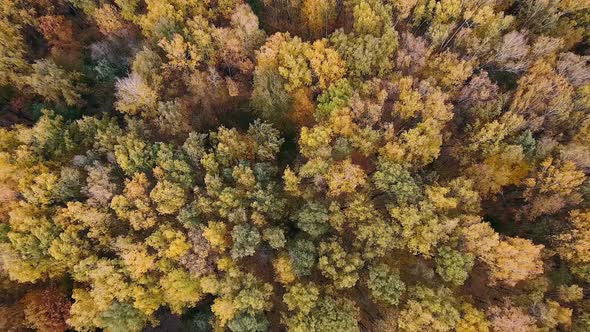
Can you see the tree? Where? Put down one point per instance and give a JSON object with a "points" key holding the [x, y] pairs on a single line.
{"points": [[413, 52], [326, 65], [450, 71], [135, 96], [134, 155], [313, 219], [478, 91], [410, 101], [501, 255], [428, 308], [173, 118], [25, 255], [168, 242], [571, 293], [133, 206], [385, 284], [168, 196], [275, 237], [338, 265], [516, 259], [335, 97], [453, 266], [556, 104], [472, 320], [109, 20], [416, 147], [216, 234], [485, 33], [304, 256], [47, 309], [320, 16], [554, 186], [574, 242], [136, 257], [248, 323], [394, 179], [366, 20], [511, 318], [100, 185], [366, 55], [59, 32], [301, 298], [574, 68], [503, 168], [512, 53], [12, 53], [283, 268], [180, 290], [121, 317], [287, 55], [245, 240], [296, 65], [56, 84], [269, 97], [421, 229], [329, 315], [336, 316], [582, 323]]}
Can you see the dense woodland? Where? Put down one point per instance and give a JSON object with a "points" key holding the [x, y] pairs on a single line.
{"points": [[295, 165]]}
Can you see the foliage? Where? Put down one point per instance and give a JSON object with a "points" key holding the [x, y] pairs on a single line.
{"points": [[453, 266], [419, 165], [385, 284], [47, 310]]}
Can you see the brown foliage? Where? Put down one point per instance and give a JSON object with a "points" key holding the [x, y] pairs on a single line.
{"points": [[47, 310]]}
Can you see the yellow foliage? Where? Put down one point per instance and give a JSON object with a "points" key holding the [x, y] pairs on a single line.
{"points": [[291, 182], [325, 63], [345, 177], [341, 123], [224, 310], [472, 320], [575, 243], [410, 100], [217, 235], [283, 267], [313, 141]]}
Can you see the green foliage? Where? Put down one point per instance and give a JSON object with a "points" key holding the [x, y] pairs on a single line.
{"points": [[338, 265], [329, 315], [453, 266], [313, 219], [248, 323], [304, 256], [134, 155], [121, 317], [245, 241], [55, 84], [335, 97], [582, 323], [394, 179], [385, 284], [301, 298], [269, 97], [275, 237]]}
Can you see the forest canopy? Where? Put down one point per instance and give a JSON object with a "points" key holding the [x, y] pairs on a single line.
{"points": [[295, 165]]}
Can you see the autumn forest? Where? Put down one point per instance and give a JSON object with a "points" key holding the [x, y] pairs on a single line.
{"points": [[295, 165]]}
